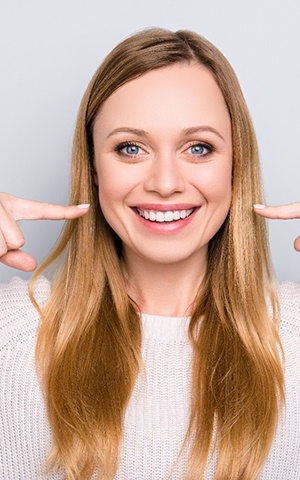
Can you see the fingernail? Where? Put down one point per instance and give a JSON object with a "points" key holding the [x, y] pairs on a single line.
{"points": [[83, 205], [259, 206]]}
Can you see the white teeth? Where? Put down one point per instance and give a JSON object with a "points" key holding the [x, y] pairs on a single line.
{"points": [[182, 214], [160, 217], [168, 216]]}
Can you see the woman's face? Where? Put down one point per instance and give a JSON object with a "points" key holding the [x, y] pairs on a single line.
{"points": [[163, 163]]}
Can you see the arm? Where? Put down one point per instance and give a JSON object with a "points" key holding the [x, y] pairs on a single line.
{"points": [[281, 212], [13, 209]]}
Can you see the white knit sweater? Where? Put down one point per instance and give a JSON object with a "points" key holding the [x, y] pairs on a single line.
{"points": [[157, 416]]}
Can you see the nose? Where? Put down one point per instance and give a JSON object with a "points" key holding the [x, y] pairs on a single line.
{"points": [[165, 176]]}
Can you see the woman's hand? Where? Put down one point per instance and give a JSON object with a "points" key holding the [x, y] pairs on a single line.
{"points": [[282, 212], [13, 209]]}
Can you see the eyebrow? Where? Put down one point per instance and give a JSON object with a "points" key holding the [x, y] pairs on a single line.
{"points": [[185, 132], [206, 128], [134, 131]]}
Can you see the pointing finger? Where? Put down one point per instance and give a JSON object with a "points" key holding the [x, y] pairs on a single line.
{"points": [[281, 212], [47, 211], [21, 209]]}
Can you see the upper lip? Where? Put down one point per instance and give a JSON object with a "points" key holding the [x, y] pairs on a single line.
{"points": [[163, 207]]}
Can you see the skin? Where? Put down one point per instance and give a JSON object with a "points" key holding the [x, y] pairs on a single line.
{"points": [[281, 212], [13, 209], [146, 143], [164, 173]]}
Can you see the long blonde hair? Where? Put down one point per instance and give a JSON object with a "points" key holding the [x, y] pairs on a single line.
{"points": [[88, 347]]}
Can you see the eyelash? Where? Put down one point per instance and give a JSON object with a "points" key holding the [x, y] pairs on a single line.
{"points": [[123, 145], [210, 149]]}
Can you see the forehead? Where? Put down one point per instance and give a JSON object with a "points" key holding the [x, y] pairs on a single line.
{"points": [[180, 95]]}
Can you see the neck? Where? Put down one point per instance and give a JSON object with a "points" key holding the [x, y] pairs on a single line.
{"points": [[163, 289]]}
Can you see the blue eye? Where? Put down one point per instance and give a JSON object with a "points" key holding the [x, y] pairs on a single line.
{"points": [[129, 149], [200, 149]]}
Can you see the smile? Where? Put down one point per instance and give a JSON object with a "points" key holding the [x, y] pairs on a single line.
{"points": [[168, 216]]}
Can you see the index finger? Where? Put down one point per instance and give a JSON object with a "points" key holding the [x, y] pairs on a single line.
{"points": [[21, 209], [281, 212]]}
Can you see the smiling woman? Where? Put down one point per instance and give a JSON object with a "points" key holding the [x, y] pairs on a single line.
{"points": [[157, 173], [160, 346]]}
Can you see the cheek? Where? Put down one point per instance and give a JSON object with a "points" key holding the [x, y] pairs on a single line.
{"points": [[223, 187], [110, 184], [116, 180], [217, 193], [115, 185], [109, 204], [217, 185]]}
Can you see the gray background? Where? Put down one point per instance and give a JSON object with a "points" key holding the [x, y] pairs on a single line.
{"points": [[49, 51]]}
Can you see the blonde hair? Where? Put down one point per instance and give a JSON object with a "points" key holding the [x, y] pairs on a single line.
{"points": [[88, 348]]}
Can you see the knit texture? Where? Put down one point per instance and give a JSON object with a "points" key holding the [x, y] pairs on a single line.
{"points": [[157, 417]]}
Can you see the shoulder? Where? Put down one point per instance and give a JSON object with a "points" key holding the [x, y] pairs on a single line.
{"points": [[17, 291], [289, 299], [24, 430], [18, 317]]}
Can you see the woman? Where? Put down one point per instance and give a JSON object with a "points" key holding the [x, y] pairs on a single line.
{"points": [[158, 350]]}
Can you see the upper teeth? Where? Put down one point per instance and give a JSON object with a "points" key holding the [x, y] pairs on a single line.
{"points": [[168, 216]]}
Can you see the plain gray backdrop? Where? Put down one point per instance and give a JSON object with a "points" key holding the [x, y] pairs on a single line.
{"points": [[49, 51]]}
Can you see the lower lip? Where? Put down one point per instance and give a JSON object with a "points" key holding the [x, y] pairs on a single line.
{"points": [[166, 227]]}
